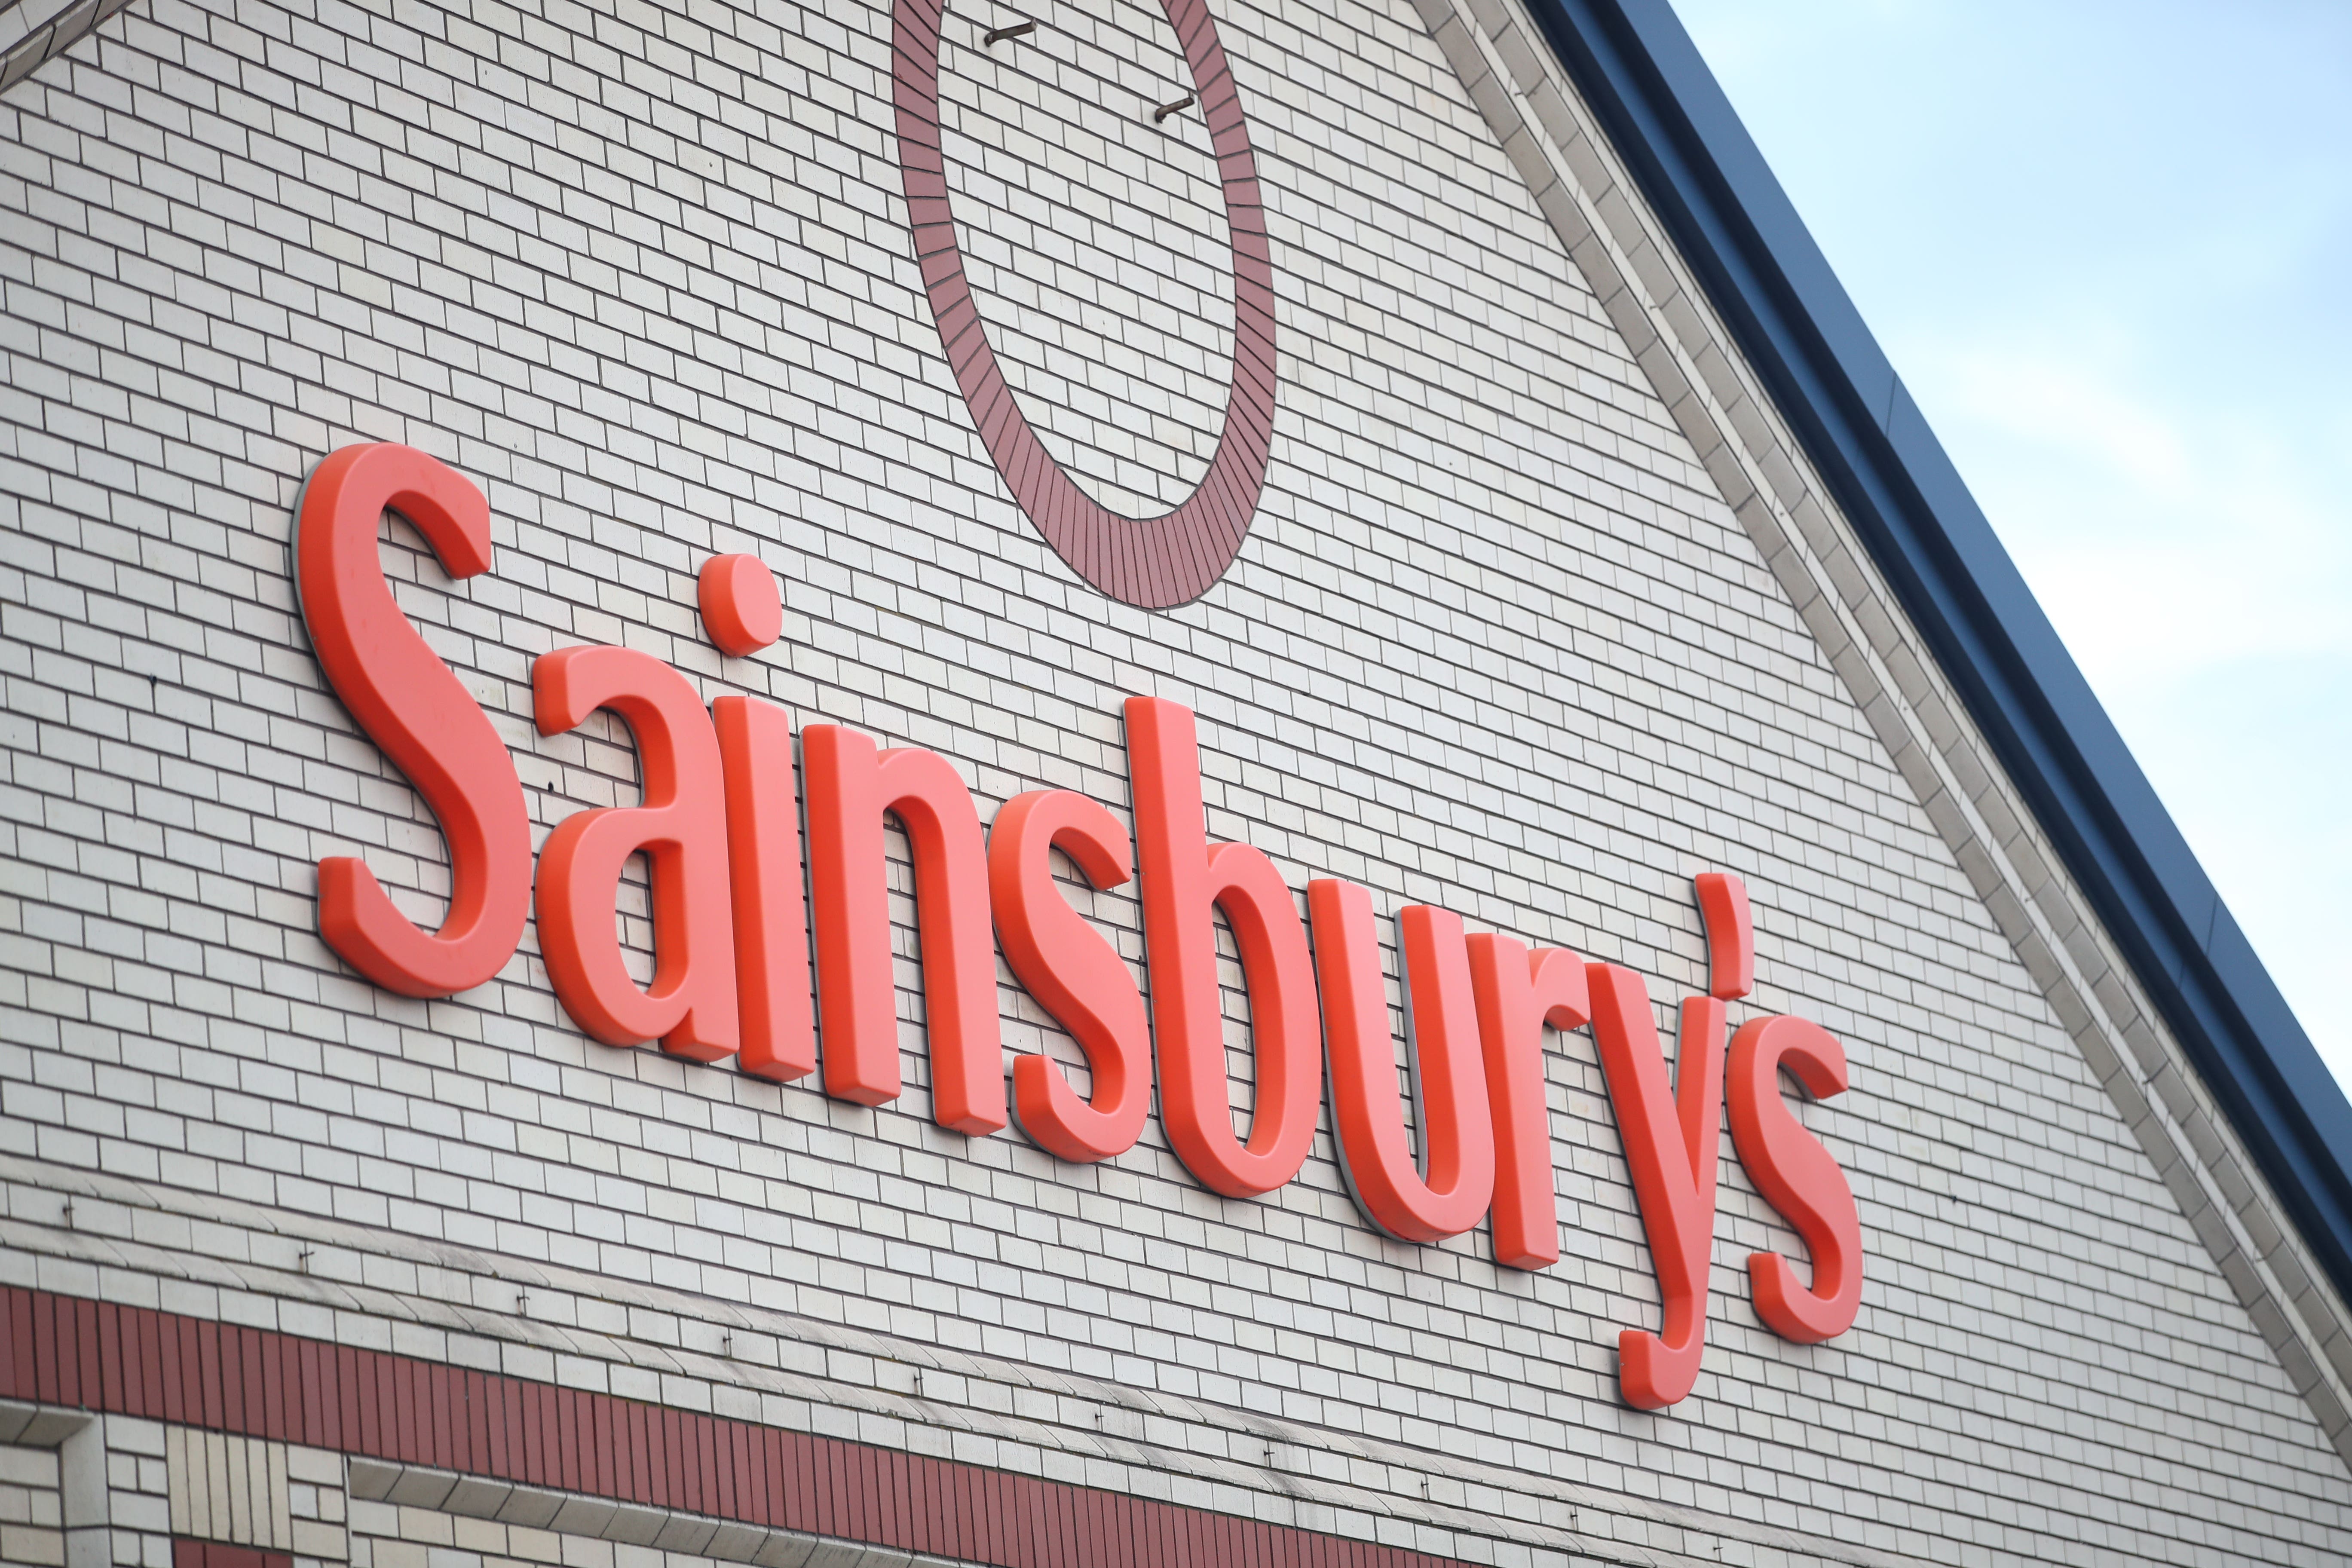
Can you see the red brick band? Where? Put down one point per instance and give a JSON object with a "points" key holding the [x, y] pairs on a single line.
{"points": [[187, 1553], [1158, 561], [257, 1382]]}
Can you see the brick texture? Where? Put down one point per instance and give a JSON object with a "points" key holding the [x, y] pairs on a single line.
{"points": [[643, 272], [252, 1383]]}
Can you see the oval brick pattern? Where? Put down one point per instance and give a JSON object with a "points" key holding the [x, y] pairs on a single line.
{"points": [[1153, 562]]}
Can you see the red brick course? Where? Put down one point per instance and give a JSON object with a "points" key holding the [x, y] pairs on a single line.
{"points": [[186, 1554], [257, 1382]]}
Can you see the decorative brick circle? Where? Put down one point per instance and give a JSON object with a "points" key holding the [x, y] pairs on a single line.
{"points": [[1155, 562]]}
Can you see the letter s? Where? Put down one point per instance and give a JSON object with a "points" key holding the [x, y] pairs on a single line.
{"points": [[1797, 1176], [407, 701], [1073, 970]]}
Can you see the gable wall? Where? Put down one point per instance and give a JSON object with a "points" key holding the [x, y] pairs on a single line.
{"points": [[1497, 643]]}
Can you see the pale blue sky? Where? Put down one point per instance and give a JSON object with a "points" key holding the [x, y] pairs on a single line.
{"points": [[2108, 246]]}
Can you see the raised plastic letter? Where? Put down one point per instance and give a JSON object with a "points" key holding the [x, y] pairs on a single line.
{"points": [[741, 610], [408, 702], [1448, 1192], [1519, 993], [1670, 1147], [1073, 971], [681, 825], [1183, 879], [850, 786], [771, 907], [1797, 1176], [1730, 934]]}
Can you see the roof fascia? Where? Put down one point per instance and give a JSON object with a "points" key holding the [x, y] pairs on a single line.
{"points": [[1643, 77]]}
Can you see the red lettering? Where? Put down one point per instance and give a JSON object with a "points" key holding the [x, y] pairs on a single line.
{"points": [[1073, 972], [1183, 879], [1519, 993], [1670, 1148], [1457, 1135], [1798, 1177], [731, 938], [407, 701], [741, 610], [681, 824], [850, 786], [1730, 934], [770, 905]]}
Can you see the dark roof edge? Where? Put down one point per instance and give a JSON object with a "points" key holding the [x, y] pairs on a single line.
{"points": [[1639, 71]]}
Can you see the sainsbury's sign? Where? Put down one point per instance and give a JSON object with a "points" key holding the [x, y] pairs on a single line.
{"points": [[735, 903]]}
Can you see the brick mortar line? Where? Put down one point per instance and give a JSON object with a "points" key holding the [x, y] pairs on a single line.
{"points": [[544, 1508], [76, 21], [182, 1370], [1624, 373], [534, 1335], [526, 1507], [826, 1390]]}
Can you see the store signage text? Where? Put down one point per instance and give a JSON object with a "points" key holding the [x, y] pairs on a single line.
{"points": [[720, 822]]}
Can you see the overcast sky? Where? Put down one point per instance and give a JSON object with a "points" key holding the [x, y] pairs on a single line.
{"points": [[2108, 247]]}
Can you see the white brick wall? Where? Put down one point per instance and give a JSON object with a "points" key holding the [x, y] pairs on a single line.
{"points": [[32, 1522], [228, 1488], [1495, 643], [386, 1536]]}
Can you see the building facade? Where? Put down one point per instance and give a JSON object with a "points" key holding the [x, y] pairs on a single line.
{"points": [[1426, 412]]}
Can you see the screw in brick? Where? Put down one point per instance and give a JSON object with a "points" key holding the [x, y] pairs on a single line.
{"points": [[65, 1215], [302, 1258], [1177, 106], [727, 1343], [522, 1303], [996, 36]]}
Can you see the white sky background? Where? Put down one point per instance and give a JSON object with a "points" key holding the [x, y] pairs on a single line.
{"points": [[2107, 245]]}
